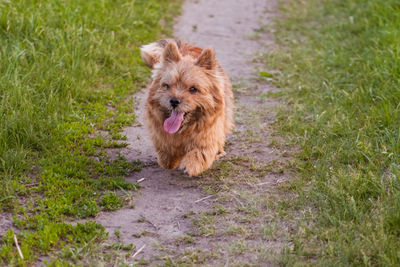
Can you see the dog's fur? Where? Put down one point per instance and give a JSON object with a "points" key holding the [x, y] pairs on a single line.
{"points": [[178, 67]]}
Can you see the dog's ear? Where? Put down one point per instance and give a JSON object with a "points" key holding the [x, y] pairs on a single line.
{"points": [[206, 59], [151, 53], [171, 53]]}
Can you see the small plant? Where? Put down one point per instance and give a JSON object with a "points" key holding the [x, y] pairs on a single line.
{"points": [[187, 215], [111, 201], [117, 234]]}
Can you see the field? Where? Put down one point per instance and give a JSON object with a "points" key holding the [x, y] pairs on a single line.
{"points": [[67, 69], [311, 177], [340, 63]]}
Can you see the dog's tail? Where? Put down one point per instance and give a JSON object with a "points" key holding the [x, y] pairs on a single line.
{"points": [[151, 53]]}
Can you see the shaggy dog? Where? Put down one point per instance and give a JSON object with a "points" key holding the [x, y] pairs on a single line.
{"points": [[189, 106]]}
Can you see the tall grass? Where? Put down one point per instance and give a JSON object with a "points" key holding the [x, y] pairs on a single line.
{"points": [[341, 77]]}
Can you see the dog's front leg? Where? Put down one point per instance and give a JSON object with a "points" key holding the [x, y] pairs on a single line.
{"points": [[168, 161], [197, 161]]}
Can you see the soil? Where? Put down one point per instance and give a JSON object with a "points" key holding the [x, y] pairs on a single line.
{"points": [[221, 217]]}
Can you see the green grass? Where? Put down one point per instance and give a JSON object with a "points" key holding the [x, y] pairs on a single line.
{"points": [[339, 68], [67, 69]]}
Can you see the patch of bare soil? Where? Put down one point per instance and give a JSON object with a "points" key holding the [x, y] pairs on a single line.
{"points": [[230, 215], [5, 222]]}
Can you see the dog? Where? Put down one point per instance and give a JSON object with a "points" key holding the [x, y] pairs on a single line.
{"points": [[189, 108]]}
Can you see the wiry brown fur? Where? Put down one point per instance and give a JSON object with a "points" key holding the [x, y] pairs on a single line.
{"points": [[208, 112]]}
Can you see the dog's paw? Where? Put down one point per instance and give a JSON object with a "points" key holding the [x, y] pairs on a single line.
{"points": [[183, 169], [167, 162], [192, 170], [195, 162]]}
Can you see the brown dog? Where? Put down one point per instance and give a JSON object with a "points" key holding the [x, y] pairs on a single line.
{"points": [[189, 107]]}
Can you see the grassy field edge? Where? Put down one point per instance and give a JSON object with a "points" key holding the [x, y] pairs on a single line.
{"points": [[339, 74]]}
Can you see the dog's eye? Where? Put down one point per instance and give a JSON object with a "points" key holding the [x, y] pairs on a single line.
{"points": [[165, 86], [193, 90]]}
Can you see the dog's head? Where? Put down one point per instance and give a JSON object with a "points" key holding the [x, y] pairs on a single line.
{"points": [[187, 90]]}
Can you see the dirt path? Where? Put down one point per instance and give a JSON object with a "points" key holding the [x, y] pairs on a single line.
{"points": [[229, 215]]}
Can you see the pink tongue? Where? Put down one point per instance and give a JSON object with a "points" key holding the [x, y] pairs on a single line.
{"points": [[172, 124]]}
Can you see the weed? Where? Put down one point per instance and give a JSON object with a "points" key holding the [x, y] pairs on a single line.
{"points": [[111, 201], [187, 215], [117, 234], [185, 239]]}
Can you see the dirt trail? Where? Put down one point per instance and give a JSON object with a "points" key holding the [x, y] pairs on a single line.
{"points": [[228, 216]]}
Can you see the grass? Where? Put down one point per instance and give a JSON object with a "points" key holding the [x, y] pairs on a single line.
{"points": [[339, 68], [67, 70]]}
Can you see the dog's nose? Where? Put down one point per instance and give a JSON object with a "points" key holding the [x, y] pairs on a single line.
{"points": [[174, 102]]}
